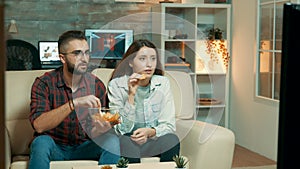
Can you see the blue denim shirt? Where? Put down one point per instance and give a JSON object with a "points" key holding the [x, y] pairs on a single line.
{"points": [[159, 108]]}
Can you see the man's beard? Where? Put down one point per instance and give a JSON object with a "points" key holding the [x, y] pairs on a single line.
{"points": [[71, 69]]}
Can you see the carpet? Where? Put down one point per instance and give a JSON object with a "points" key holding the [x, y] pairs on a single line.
{"points": [[258, 167]]}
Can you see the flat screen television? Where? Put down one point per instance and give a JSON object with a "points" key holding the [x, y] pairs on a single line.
{"points": [[108, 43], [48, 53], [289, 89]]}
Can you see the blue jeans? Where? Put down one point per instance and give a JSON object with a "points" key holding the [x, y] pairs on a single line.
{"points": [[43, 149]]}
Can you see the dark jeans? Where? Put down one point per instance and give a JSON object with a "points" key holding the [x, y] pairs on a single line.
{"points": [[164, 147], [44, 149]]}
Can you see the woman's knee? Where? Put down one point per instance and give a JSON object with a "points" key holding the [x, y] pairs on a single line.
{"points": [[170, 138], [124, 139]]}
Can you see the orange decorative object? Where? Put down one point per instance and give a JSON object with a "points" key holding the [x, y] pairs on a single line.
{"points": [[215, 44], [106, 167], [208, 101], [182, 50]]}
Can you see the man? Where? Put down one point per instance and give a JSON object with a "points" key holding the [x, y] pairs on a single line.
{"points": [[60, 100]]}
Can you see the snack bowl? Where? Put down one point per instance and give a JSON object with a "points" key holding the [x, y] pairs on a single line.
{"points": [[110, 115]]}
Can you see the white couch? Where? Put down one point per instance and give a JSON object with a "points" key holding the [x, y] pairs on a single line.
{"points": [[206, 146]]}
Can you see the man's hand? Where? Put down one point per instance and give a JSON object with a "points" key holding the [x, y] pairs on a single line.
{"points": [[87, 101], [100, 126]]}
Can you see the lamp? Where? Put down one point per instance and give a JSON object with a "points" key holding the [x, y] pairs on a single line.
{"points": [[12, 28]]}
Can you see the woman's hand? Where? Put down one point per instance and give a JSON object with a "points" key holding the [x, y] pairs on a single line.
{"points": [[141, 135], [133, 83]]}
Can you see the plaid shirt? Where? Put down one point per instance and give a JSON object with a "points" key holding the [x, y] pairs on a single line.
{"points": [[50, 91]]}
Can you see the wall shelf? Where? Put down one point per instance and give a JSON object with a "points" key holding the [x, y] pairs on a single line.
{"points": [[189, 22]]}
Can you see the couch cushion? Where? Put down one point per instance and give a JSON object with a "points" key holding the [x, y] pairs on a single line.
{"points": [[17, 93], [20, 135], [183, 92], [17, 108], [103, 74]]}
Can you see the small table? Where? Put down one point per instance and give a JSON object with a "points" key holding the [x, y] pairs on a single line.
{"points": [[159, 165]]}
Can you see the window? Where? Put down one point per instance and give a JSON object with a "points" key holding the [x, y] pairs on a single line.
{"points": [[268, 57]]}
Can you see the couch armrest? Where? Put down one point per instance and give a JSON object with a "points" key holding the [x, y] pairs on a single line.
{"points": [[7, 150], [208, 146]]}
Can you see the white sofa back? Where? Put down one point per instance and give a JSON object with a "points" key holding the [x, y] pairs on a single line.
{"points": [[17, 107], [184, 100]]}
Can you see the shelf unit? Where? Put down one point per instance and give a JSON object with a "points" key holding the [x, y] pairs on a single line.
{"points": [[180, 32]]}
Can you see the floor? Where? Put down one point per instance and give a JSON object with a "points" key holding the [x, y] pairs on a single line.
{"points": [[246, 158]]}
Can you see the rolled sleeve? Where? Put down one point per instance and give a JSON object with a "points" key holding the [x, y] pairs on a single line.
{"points": [[39, 102]]}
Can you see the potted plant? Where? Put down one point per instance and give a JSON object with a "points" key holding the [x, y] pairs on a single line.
{"points": [[216, 45], [122, 163], [180, 161]]}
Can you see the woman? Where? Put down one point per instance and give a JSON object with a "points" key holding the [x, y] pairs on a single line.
{"points": [[143, 97]]}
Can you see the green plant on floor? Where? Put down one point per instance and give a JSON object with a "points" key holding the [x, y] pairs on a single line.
{"points": [[180, 161], [122, 163]]}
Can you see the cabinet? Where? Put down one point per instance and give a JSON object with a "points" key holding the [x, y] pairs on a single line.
{"points": [[181, 33]]}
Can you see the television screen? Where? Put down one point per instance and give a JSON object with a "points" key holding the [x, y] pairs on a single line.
{"points": [[108, 44], [288, 121], [48, 50], [48, 53]]}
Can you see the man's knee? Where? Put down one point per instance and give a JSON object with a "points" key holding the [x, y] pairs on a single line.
{"points": [[43, 141]]}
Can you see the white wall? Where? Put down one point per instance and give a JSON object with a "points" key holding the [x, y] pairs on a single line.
{"points": [[254, 122]]}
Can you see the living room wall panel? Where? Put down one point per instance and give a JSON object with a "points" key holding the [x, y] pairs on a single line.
{"points": [[41, 10], [46, 20]]}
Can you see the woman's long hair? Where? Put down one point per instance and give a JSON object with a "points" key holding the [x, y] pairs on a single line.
{"points": [[123, 67]]}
